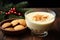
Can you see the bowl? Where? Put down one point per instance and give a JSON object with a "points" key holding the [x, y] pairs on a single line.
{"points": [[14, 32]]}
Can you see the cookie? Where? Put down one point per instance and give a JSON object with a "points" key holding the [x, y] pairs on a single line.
{"points": [[6, 25], [14, 22], [9, 29], [22, 22], [19, 27]]}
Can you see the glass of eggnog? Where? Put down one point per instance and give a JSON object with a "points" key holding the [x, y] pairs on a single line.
{"points": [[39, 21]]}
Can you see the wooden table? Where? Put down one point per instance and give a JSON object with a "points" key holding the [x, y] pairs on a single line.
{"points": [[54, 34]]}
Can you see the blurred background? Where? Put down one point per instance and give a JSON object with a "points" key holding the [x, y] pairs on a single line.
{"points": [[34, 3]]}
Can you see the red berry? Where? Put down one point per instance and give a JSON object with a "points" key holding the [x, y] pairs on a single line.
{"points": [[14, 12], [19, 14], [11, 11], [8, 12], [14, 9]]}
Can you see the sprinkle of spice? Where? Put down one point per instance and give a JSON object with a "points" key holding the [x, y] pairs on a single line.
{"points": [[40, 17]]}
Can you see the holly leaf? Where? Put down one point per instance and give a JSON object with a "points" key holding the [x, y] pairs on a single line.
{"points": [[2, 16], [8, 6], [23, 10], [22, 4], [14, 16], [21, 17]]}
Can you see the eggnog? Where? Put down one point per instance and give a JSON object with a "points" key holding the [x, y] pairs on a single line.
{"points": [[39, 21]]}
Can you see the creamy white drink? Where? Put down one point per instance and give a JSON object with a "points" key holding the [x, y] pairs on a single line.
{"points": [[39, 21]]}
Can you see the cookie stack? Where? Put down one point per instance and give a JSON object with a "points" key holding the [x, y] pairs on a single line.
{"points": [[17, 24]]}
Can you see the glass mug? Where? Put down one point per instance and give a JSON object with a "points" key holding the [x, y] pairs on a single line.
{"points": [[37, 28]]}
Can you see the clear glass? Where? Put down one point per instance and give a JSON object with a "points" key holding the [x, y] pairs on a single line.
{"points": [[43, 29]]}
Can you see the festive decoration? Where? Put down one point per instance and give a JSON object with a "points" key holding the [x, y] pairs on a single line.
{"points": [[13, 10], [4, 6], [13, 13]]}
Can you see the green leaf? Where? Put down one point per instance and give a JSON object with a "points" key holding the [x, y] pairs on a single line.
{"points": [[23, 10], [8, 6], [22, 4], [14, 16], [21, 17], [2, 16]]}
